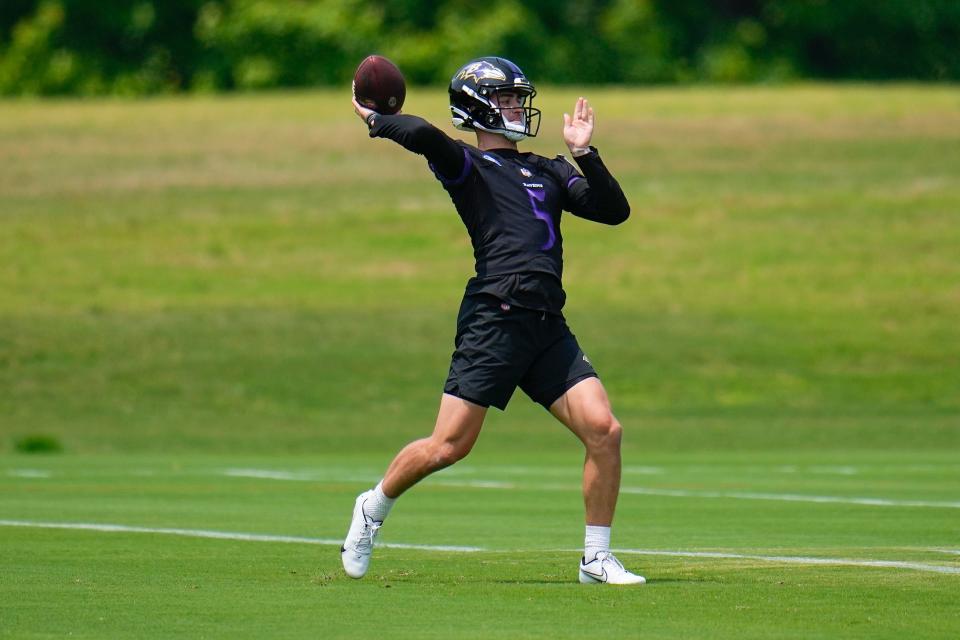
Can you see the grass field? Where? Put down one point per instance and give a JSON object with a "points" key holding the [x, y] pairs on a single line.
{"points": [[231, 311]]}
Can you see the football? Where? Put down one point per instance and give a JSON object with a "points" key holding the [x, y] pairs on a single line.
{"points": [[379, 85]]}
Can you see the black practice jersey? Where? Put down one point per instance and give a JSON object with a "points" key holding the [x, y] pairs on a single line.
{"points": [[510, 203]]}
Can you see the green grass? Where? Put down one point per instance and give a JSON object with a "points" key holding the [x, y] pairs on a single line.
{"points": [[97, 584], [190, 285]]}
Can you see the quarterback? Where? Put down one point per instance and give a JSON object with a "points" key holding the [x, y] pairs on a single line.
{"points": [[510, 328]]}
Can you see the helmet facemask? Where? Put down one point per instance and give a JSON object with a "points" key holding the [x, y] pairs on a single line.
{"points": [[514, 121]]}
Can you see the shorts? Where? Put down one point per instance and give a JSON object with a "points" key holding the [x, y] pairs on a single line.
{"points": [[500, 347]]}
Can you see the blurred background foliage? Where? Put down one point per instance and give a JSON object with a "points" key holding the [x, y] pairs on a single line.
{"points": [[136, 47]]}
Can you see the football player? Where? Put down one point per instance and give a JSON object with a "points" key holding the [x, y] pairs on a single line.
{"points": [[510, 328]]}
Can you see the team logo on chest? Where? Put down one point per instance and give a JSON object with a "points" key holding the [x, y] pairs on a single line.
{"points": [[526, 173]]}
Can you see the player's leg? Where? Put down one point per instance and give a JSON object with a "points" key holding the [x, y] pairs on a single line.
{"points": [[486, 367], [585, 409], [454, 434]]}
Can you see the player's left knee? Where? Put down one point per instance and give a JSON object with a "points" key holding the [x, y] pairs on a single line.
{"points": [[614, 432], [607, 431]]}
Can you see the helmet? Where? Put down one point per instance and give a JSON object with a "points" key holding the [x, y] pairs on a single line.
{"points": [[473, 102]]}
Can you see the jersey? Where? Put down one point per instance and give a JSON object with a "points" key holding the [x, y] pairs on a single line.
{"points": [[511, 205]]}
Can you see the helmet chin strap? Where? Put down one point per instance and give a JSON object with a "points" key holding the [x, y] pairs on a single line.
{"points": [[514, 131]]}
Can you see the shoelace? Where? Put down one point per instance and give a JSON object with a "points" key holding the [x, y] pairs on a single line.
{"points": [[365, 542], [604, 556]]}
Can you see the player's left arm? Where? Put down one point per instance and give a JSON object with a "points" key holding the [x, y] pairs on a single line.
{"points": [[593, 194]]}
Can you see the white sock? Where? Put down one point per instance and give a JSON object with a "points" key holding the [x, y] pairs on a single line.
{"points": [[596, 540], [378, 506]]}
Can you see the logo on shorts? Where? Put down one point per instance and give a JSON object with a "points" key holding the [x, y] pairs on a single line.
{"points": [[505, 306], [526, 172], [587, 360]]}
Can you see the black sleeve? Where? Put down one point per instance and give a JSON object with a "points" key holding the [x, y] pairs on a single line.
{"points": [[595, 195], [445, 156]]}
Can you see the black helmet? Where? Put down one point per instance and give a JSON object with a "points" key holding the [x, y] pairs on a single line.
{"points": [[473, 104]]}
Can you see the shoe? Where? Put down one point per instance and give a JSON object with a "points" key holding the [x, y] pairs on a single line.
{"points": [[606, 569], [356, 549]]}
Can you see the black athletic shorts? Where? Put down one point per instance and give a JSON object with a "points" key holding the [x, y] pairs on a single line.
{"points": [[500, 347]]}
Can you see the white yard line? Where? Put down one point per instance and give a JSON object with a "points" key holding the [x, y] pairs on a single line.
{"points": [[269, 474], [846, 562], [219, 535], [306, 476], [298, 476], [790, 497], [835, 470], [650, 491], [473, 484], [259, 537], [28, 473]]}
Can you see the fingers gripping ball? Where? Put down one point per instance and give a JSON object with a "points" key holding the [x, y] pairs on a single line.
{"points": [[379, 85]]}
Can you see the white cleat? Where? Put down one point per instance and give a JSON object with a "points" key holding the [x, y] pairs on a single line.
{"points": [[356, 549], [606, 569]]}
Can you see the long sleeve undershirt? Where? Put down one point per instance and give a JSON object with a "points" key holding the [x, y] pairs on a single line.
{"points": [[597, 197]]}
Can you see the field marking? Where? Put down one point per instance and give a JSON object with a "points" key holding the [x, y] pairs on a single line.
{"points": [[221, 535], [846, 562], [306, 476], [473, 484], [649, 491], [835, 470], [790, 497], [296, 476], [260, 537], [28, 473]]}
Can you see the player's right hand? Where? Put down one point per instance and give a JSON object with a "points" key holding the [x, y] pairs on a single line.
{"points": [[361, 110]]}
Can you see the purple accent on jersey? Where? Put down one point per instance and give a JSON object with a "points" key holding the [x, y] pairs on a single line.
{"points": [[467, 166], [537, 197], [572, 180]]}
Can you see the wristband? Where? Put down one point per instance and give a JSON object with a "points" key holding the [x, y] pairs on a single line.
{"points": [[576, 152]]}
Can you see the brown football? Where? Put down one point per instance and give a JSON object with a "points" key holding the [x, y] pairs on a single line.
{"points": [[379, 85]]}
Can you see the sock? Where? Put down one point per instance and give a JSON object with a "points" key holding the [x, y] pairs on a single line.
{"points": [[596, 540], [378, 506]]}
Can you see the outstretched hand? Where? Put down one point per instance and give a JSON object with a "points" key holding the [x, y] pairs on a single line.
{"points": [[361, 110], [578, 130]]}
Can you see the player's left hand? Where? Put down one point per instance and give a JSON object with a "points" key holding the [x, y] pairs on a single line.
{"points": [[578, 130]]}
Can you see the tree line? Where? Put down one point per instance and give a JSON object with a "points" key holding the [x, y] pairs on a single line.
{"points": [[137, 47]]}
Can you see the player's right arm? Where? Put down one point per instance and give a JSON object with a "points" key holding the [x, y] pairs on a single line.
{"points": [[445, 156]]}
